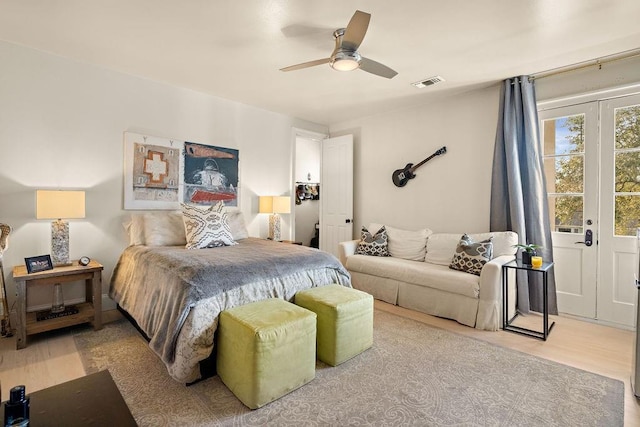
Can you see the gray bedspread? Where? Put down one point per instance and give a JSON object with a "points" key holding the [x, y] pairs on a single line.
{"points": [[159, 286]]}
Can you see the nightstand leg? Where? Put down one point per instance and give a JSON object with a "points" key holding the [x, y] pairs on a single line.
{"points": [[96, 294], [21, 307]]}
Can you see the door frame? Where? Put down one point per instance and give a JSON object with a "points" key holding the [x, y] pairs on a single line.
{"points": [[295, 134], [600, 95]]}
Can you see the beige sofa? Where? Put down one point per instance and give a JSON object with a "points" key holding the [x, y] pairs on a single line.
{"points": [[427, 284]]}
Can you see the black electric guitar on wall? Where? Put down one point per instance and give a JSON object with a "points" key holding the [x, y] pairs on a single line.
{"points": [[402, 176]]}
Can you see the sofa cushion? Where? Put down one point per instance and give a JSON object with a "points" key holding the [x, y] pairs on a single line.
{"points": [[406, 244], [471, 256], [373, 244], [442, 246], [417, 273]]}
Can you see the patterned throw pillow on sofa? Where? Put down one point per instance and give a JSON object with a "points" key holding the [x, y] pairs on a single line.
{"points": [[373, 244], [471, 256]]}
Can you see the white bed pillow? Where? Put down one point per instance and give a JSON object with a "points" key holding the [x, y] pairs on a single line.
{"points": [[206, 227], [235, 219], [406, 244], [164, 229], [135, 229]]}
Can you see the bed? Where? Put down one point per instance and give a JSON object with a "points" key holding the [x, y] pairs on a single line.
{"points": [[175, 295]]}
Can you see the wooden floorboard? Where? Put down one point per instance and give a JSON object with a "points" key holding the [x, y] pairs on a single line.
{"points": [[51, 358]]}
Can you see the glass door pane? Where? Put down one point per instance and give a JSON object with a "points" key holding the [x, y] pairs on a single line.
{"points": [[627, 170], [564, 171]]}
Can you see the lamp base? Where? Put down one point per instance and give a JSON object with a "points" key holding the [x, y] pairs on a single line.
{"points": [[60, 243], [274, 227], [58, 300]]}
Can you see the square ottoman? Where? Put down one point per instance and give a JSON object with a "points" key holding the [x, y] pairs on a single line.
{"points": [[266, 349], [345, 321]]}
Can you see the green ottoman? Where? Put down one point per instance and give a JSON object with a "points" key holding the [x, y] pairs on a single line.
{"points": [[345, 321], [266, 349]]}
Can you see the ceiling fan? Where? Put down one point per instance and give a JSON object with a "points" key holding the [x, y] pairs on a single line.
{"points": [[345, 56]]}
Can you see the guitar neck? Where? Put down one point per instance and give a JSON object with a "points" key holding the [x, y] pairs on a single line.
{"points": [[422, 163]]}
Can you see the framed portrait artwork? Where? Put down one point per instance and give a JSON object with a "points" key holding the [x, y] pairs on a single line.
{"points": [[210, 174]]}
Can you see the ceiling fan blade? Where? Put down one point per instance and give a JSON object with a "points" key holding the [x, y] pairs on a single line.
{"points": [[355, 31], [306, 64], [373, 67]]}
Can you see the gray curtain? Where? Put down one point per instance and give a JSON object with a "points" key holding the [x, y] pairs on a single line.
{"points": [[518, 190]]}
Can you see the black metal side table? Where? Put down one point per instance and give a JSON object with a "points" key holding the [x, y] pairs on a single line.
{"points": [[506, 322]]}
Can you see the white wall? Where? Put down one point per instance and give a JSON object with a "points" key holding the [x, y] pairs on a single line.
{"points": [[565, 85], [307, 160], [451, 192], [62, 124]]}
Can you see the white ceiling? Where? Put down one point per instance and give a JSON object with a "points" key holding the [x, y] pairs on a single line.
{"points": [[234, 48]]}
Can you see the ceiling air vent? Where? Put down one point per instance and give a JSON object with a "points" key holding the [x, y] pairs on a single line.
{"points": [[428, 82]]}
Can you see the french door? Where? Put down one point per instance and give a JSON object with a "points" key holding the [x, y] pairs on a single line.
{"points": [[592, 170], [569, 137]]}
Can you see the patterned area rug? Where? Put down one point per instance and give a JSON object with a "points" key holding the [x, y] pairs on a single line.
{"points": [[413, 375]]}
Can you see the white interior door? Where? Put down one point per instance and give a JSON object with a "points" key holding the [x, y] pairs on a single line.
{"points": [[336, 193], [570, 141], [620, 208]]}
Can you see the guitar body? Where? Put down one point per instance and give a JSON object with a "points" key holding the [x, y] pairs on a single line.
{"points": [[400, 177]]}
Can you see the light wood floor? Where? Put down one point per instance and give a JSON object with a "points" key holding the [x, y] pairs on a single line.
{"points": [[51, 358]]}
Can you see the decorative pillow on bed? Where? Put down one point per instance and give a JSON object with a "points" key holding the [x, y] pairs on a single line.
{"points": [[164, 229], [373, 244], [235, 219], [135, 229], [471, 256], [206, 227]]}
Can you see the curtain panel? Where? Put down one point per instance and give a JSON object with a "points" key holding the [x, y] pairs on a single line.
{"points": [[518, 190]]}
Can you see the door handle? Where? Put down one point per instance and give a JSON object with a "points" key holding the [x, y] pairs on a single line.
{"points": [[588, 238], [348, 221]]}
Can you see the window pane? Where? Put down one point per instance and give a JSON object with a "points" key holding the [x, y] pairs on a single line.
{"points": [[627, 215], [564, 135], [564, 174], [627, 172], [566, 213], [627, 127]]}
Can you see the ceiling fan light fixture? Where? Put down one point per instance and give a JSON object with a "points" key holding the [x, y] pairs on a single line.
{"points": [[345, 61]]}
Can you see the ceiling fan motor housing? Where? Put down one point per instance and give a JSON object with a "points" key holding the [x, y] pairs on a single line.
{"points": [[344, 59]]}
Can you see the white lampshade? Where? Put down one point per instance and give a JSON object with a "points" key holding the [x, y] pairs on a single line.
{"points": [[265, 204], [59, 204], [282, 204]]}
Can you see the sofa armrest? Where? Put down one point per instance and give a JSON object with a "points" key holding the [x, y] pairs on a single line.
{"points": [[491, 293], [346, 249], [491, 278]]}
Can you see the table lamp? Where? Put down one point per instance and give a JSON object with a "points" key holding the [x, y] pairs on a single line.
{"points": [[275, 205], [59, 205]]}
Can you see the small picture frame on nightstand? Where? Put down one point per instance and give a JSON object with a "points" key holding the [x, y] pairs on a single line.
{"points": [[38, 263]]}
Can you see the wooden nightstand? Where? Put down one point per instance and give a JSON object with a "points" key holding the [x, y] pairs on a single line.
{"points": [[89, 311], [291, 242]]}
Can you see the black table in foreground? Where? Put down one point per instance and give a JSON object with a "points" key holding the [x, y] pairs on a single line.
{"points": [[507, 324], [93, 400]]}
